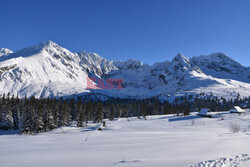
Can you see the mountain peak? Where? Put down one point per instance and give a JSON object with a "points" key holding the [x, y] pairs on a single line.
{"points": [[46, 44], [40, 46], [5, 50], [128, 64], [179, 55], [180, 58], [217, 57], [49, 42], [220, 55]]}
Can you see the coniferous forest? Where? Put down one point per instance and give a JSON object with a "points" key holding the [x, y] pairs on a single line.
{"points": [[32, 115]]}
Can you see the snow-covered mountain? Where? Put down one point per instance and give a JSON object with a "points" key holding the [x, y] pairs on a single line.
{"points": [[5, 51], [47, 69], [42, 70]]}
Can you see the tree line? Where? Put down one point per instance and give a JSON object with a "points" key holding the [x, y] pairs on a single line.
{"points": [[33, 115]]}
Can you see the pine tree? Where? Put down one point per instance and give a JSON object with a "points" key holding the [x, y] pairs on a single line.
{"points": [[14, 107], [7, 121], [72, 108], [80, 114], [88, 112], [125, 110], [138, 110], [61, 113], [65, 116], [55, 111], [48, 117], [111, 113], [117, 111], [144, 110], [27, 122], [38, 120], [99, 112]]}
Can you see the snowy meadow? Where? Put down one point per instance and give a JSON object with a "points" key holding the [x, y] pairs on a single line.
{"points": [[164, 140]]}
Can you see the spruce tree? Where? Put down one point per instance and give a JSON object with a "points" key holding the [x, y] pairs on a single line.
{"points": [[48, 117], [27, 120], [72, 108], [80, 115], [99, 112], [111, 113], [144, 110], [7, 121], [39, 124], [88, 112]]}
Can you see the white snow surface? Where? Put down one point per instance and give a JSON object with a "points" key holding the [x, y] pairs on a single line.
{"points": [[166, 141], [47, 69]]}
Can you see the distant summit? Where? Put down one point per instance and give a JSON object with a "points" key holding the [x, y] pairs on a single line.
{"points": [[5, 51]]}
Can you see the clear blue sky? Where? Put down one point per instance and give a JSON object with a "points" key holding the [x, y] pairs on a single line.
{"points": [[148, 30]]}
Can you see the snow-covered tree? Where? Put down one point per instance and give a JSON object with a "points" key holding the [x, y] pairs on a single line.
{"points": [[27, 120], [38, 118], [48, 118], [7, 121]]}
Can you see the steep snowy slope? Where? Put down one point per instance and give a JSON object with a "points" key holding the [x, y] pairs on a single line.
{"points": [[220, 66], [42, 70], [47, 69], [95, 64]]}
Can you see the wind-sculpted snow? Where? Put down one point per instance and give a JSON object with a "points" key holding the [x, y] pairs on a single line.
{"points": [[47, 69], [232, 161]]}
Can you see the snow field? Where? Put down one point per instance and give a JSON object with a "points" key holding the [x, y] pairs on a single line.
{"points": [[163, 140]]}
